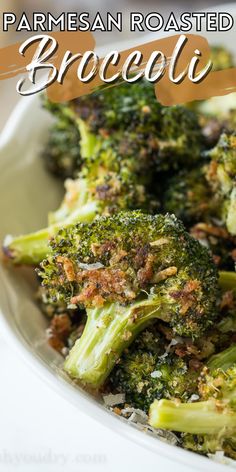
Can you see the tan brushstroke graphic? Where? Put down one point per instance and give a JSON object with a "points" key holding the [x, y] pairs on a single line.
{"points": [[179, 62]]}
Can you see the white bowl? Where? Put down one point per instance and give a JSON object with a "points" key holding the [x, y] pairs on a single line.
{"points": [[28, 192]]}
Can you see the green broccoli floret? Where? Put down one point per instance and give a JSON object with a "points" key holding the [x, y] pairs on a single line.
{"points": [[209, 424], [74, 130], [128, 270], [61, 153], [69, 141], [217, 390], [221, 177], [127, 108], [189, 196], [181, 140], [149, 370], [113, 180], [170, 136]]}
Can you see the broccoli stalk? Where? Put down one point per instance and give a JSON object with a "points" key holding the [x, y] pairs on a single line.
{"points": [[126, 271], [215, 413], [32, 248], [227, 280], [89, 142], [108, 332], [194, 418], [223, 360], [70, 141], [78, 205]]}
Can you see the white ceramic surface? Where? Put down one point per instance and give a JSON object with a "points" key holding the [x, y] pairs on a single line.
{"points": [[27, 194]]}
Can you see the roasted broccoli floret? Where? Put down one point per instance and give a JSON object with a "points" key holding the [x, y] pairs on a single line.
{"points": [[150, 369], [128, 270], [113, 180], [209, 424], [181, 140], [61, 153], [189, 196], [169, 136], [221, 176], [213, 414], [127, 108]]}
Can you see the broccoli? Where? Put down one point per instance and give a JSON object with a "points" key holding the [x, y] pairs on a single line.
{"points": [[159, 365], [32, 248], [128, 108], [113, 180], [221, 176], [217, 390], [223, 360], [150, 370], [169, 136], [209, 424], [61, 153], [127, 270], [181, 139], [189, 196], [227, 280]]}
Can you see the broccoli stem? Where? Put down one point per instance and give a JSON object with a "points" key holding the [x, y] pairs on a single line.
{"points": [[29, 249], [231, 216], [108, 331], [69, 205], [32, 248], [194, 418], [223, 360], [227, 324], [227, 280], [89, 142]]}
